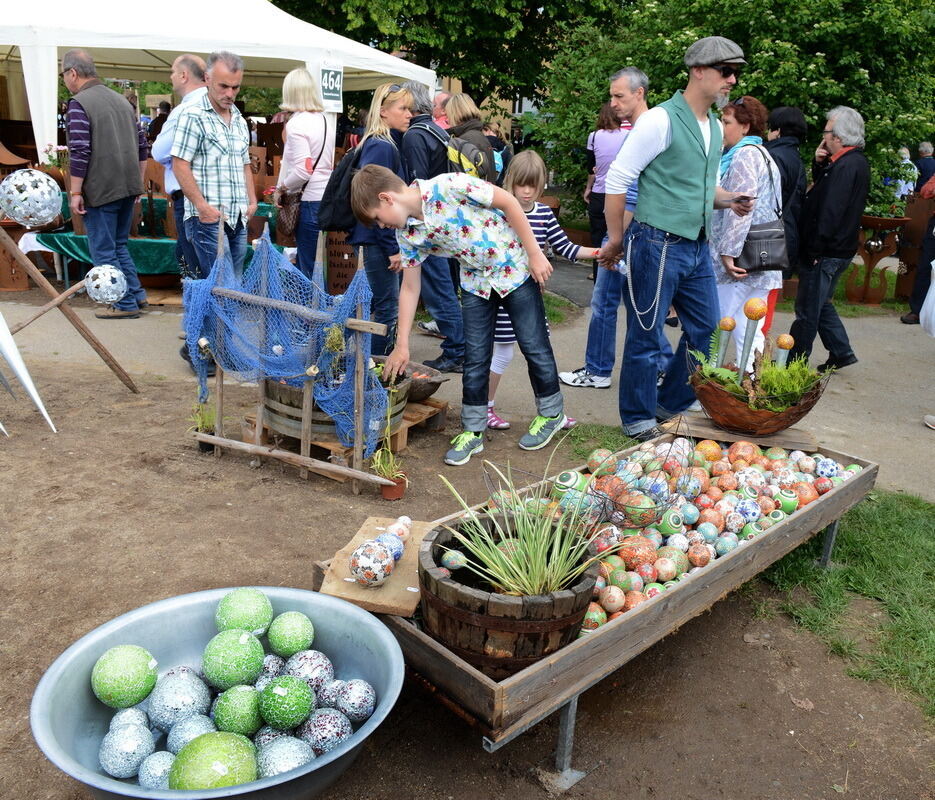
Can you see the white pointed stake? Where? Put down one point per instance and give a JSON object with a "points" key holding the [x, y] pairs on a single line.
{"points": [[11, 353]]}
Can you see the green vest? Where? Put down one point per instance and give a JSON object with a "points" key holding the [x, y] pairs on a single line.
{"points": [[676, 190]]}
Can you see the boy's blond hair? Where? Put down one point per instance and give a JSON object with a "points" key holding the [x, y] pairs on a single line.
{"points": [[526, 169], [367, 185], [460, 108], [383, 95]]}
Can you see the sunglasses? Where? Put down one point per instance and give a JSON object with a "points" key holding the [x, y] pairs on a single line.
{"points": [[726, 70]]}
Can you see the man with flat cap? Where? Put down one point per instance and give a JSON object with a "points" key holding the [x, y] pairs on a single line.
{"points": [[673, 151]]}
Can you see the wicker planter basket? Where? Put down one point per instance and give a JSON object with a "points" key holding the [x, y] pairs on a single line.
{"points": [[733, 414]]}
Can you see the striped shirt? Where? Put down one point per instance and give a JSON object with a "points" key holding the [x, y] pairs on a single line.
{"points": [[218, 153], [79, 140], [549, 234]]}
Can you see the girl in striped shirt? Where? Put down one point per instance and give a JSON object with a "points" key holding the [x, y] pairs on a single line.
{"points": [[525, 180]]}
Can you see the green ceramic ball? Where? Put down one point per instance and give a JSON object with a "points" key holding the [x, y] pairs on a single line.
{"points": [[124, 676], [238, 711], [232, 657], [246, 609], [286, 702], [289, 633], [212, 761]]}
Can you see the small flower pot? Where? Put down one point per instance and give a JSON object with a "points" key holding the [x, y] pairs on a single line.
{"points": [[396, 491]]}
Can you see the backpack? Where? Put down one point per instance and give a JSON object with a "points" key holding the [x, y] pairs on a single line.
{"points": [[334, 211], [462, 155]]}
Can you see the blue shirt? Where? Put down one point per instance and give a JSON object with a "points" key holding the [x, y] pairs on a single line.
{"points": [[162, 145]]}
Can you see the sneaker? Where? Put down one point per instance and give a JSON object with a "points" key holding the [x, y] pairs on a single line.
{"points": [[909, 319], [643, 436], [581, 377], [443, 364], [430, 327], [495, 421], [112, 312], [464, 445], [570, 422], [541, 431]]}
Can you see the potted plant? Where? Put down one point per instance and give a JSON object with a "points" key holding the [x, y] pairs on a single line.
{"points": [[203, 419], [385, 463]]}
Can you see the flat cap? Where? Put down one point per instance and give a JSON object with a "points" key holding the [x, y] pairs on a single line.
{"points": [[713, 50]]}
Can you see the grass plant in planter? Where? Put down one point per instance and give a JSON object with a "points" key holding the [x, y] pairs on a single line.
{"points": [[523, 579], [385, 463], [203, 419]]}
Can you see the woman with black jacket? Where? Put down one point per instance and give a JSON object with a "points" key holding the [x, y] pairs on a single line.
{"points": [[464, 116], [787, 130]]}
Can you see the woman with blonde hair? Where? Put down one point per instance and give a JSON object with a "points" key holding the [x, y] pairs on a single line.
{"points": [[307, 159], [465, 123], [388, 120]]}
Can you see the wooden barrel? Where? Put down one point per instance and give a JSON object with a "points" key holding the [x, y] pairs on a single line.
{"points": [[496, 633], [282, 406]]}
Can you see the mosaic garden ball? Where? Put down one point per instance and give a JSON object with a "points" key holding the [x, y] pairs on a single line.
{"points": [[622, 579], [176, 697], [123, 749], [602, 462], [281, 755], [640, 510], [766, 504], [703, 501], [853, 469], [371, 563], [594, 617], [726, 505], [654, 536], [776, 515], [720, 467], [710, 449], [129, 716], [392, 543], [676, 555], [652, 590], [709, 531], [805, 463], [289, 633], [613, 561], [636, 581], [694, 538], [679, 541], [711, 550], [698, 555], [727, 481], [244, 609], [823, 485], [453, 559], [187, 729], [725, 544], [231, 658], [123, 676], [324, 730], [688, 486], [105, 284], [612, 599], [213, 761], [773, 453], [716, 518], [826, 468], [665, 569], [634, 599], [628, 468], [795, 455], [357, 700], [286, 702], [670, 523], [751, 476], [601, 544], [805, 492], [637, 550], [30, 198], [328, 696], [313, 667], [154, 770], [267, 733], [647, 572], [238, 711], [749, 510], [749, 531]]}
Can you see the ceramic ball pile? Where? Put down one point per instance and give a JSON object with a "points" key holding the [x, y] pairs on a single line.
{"points": [[245, 715], [373, 561], [30, 198], [670, 509]]}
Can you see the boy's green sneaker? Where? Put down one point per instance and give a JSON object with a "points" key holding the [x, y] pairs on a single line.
{"points": [[464, 445], [541, 432]]}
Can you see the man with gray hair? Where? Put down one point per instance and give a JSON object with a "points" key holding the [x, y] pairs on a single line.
{"points": [[830, 230], [108, 152], [211, 161], [425, 153], [925, 165]]}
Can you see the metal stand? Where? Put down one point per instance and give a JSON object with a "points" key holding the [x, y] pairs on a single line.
{"points": [[831, 533]]}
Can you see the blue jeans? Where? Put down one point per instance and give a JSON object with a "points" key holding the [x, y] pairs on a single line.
{"points": [[384, 306], [183, 248], [204, 239], [440, 298], [815, 313], [527, 313], [306, 236], [688, 284], [108, 229]]}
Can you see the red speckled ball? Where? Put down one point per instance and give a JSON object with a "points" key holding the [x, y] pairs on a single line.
{"points": [[727, 482], [766, 503], [823, 485], [636, 551], [716, 518], [720, 467], [633, 599], [698, 555], [755, 308]]}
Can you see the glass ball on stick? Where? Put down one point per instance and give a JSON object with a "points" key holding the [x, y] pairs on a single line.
{"points": [[30, 198]]}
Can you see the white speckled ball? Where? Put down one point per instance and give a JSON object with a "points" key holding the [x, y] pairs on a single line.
{"points": [[679, 540], [325, 729], [312, 666], [183, 669], [273, 666], [267, 733], [734, 522], [105, 284], [187, 729], [130, 716], [357, 700], [124, 748], [328, 696], [176, 697], [154, 771], [281, 755], [371, 563]]}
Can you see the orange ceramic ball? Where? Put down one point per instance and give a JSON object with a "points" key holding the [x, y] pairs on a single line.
{"points": [[703, 478], [755, 308], [715, 493], [698, 555], [614, 616], [727, 324], [742, 449], [633, 599], [761, 461], [720, 467], [784, 341], [710, 449], [728, 481], [766, 504], [716, 518], [636, 551], [806, 492]]}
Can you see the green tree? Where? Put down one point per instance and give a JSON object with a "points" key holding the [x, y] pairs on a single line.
{"points": [[873, 55], [495, 47]]}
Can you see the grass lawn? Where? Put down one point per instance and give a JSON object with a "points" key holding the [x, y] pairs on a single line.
{"points": [[846, 309]]}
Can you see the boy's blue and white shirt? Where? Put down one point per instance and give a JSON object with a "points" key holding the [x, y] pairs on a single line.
{"points": [[458, 222]]}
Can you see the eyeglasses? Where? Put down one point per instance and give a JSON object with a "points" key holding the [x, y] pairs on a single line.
{"points": [[62, 73], [737, 102], [830, 130], [726, 70]]}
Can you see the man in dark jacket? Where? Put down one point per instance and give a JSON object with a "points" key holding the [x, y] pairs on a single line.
{"points": [[830, 229], [425, 152], [787, 130]]}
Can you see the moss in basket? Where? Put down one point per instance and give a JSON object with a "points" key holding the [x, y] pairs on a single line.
{"points": [[782, 387]]}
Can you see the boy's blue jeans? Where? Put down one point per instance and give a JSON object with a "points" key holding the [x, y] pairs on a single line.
{"points": [[689, 285], [527, 313]]}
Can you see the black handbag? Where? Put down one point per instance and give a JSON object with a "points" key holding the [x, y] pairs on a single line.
{"points": [[765, 246], [290, 202]]}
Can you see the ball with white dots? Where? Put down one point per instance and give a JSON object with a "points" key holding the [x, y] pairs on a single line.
{"points": [[30, 198], [313, 667], [154, 771], [281, 755], [187, 729], [105, 284], [325, 729], [328, 696]]}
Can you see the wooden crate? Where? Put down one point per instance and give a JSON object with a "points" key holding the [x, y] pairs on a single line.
{"points": [[502, 709]]}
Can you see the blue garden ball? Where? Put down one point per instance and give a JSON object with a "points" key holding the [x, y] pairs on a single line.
{"points": [[709, 531], [725, 544], [690, 513], [392, 543], [826, 468], [749, 509]]}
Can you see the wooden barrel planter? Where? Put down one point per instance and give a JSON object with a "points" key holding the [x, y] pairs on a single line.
{"points": [[496, 633], [282, 411]]}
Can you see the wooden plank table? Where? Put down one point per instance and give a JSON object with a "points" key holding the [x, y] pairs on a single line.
{"points": [[505, 709]]}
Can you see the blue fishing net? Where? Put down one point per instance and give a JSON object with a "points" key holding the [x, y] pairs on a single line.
{"points": [[256, 343]]}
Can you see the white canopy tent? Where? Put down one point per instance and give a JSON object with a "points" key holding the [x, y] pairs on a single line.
{"points": [[34, 34]]}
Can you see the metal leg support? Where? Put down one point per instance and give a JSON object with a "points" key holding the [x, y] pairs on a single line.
{"points": [[564, 776], [831, 533]]}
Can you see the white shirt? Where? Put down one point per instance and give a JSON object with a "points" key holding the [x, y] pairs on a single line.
{"points": [[651, 135], [162, 148]]}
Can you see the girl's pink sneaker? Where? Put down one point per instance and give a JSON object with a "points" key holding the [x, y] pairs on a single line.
{"points": [[496, 422], [570, 422]]}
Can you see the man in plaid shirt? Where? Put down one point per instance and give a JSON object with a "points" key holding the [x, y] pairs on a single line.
{"points": [[211, 160]]}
